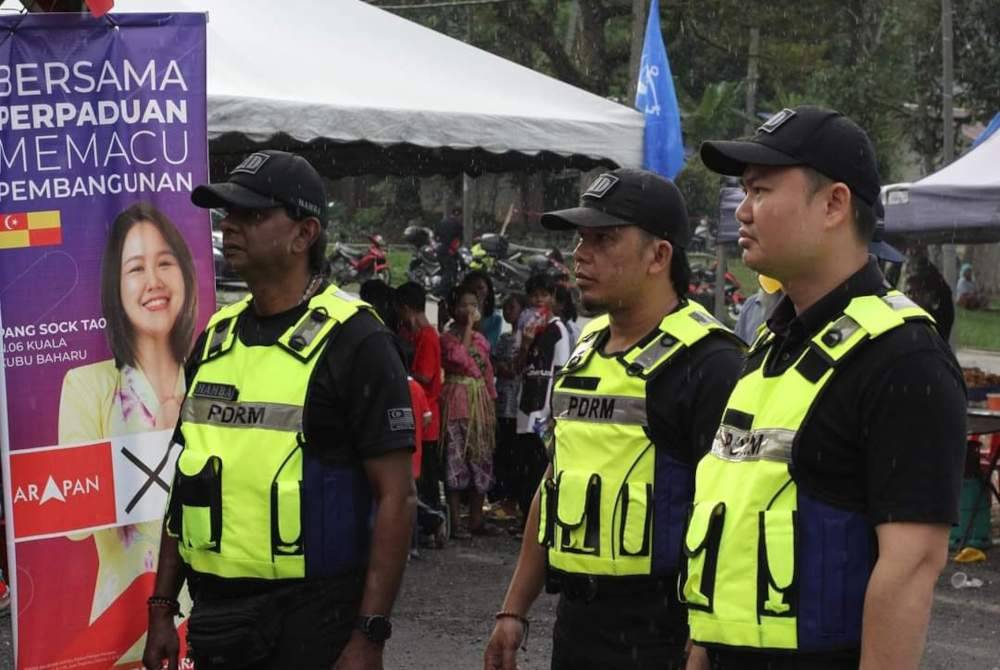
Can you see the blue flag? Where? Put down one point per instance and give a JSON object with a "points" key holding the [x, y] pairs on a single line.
{"points": [[990, 129], [663, 144]]}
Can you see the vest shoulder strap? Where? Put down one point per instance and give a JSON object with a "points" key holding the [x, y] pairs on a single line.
{"points": [[585, 346], [327, 311], [679, 330], [866, 318], [221, 329]]}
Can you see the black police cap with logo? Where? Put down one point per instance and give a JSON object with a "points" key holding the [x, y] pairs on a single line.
{"points": [[822, 139], [268, 179], [628, 197]]}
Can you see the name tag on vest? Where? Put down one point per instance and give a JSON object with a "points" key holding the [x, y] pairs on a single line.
{"points": [[769, 444], [212, 391]]}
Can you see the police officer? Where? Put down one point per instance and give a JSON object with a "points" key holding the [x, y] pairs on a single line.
{"points": [[635, 408], [821, 516], [292, 504]]}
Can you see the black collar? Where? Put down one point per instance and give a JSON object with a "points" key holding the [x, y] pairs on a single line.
{"points": [[785, 323]]}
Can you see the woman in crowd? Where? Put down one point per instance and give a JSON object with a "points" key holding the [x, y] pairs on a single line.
{"points": [[491, 323], [467, 412]]}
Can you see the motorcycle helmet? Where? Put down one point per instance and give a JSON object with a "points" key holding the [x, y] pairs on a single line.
{"points": [[416, 235]]}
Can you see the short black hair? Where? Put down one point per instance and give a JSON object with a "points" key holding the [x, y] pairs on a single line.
{"points": [[680, 266], [380, 295], [317, 252], [411, 295], [565, 298], [864, 214], [519, 298], [540, 282]]}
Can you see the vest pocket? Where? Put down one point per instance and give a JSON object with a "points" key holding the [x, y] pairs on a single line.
{"points": [[634, 539], [547, 512], [286, 518], [776, 578], [701, 547], [196, 501], [578, 512]]}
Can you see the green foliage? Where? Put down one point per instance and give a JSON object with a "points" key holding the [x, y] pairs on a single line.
{"points": [[700, 187], [366, 221]]}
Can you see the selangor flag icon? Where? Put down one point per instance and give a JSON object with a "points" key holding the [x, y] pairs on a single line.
{"points": [[30, 229]]}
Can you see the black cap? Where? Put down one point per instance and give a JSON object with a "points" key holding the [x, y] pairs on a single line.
{"points": [[822, 139], [268, 179], [628, 197]]}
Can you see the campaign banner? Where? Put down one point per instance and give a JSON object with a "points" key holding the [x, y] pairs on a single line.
{"points": [[106, 277]]}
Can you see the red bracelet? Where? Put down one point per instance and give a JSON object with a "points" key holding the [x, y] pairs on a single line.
{"points": [[524, 622], [169, 604]]}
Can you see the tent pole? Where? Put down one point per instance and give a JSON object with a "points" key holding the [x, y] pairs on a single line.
{"points": [[467, 220]]}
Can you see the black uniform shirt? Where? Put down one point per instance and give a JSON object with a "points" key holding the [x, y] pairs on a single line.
{"points": [[888, 435], [359, 380], [886, 438], [685, 400]]}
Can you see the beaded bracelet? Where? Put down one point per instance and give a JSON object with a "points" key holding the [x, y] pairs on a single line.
{"points": [[169, 604], [524, 622]]}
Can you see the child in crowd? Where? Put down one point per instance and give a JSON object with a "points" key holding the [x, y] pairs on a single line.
{"points": [[490, 323], [505, 491], [544, 348], [411, 301], [566, 309], [467, 413]]}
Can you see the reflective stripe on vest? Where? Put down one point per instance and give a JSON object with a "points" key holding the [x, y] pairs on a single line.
{"points": [[614, 506], [241, 500], [769, 567]]}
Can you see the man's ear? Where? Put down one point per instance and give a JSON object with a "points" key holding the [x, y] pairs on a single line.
{"points": [[663, 253], [309, 230], [838, 205]]}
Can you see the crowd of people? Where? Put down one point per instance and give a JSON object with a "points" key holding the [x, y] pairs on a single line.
{"points": [[480, 389]]}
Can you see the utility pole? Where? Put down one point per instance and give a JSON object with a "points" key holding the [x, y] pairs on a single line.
{"points": [[948, 258], [635, 57], [750, 110], [753, 77]]}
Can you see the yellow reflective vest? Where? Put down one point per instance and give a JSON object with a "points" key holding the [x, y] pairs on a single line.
{"points": [[615, 505], [248, 500], [768, 566]]}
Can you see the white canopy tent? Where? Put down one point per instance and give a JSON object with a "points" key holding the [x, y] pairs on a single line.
{"points": [[362, 90], [958, 204]]}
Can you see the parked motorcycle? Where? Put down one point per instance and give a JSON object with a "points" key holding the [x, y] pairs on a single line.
{"points": [[425, 268], [511, 265], [702, 289], [349, 264]]}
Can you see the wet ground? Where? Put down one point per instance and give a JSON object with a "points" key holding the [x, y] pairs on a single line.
{"points": [[445, 613]]}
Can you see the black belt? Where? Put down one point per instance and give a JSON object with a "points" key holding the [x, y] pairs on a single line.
{"points": [[591, 587]]}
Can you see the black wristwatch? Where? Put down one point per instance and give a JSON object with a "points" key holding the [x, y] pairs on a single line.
{"points": [[376, 627]]}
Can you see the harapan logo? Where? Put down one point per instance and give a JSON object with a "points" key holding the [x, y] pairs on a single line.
{"points": [[61, 490]]}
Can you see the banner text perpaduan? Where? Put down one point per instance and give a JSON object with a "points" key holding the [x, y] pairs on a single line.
{"points": [[149, 98]]}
